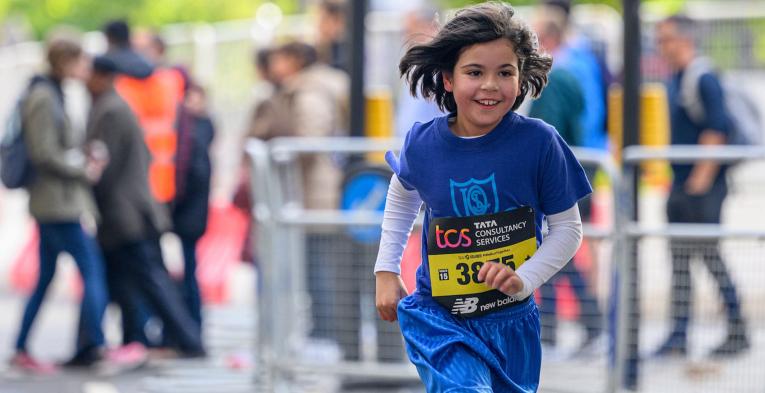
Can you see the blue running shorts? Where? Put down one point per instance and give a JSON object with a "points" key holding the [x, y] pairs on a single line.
{"points": [[498, 352]]}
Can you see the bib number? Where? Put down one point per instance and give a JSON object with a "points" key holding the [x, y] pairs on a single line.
{"points": [[459, 246]]}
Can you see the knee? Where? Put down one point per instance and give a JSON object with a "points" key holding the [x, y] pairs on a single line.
{"points": [[46, 275]]}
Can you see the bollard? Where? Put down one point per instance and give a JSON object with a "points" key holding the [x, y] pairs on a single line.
{"points": [[379, 119], [654, 129]]}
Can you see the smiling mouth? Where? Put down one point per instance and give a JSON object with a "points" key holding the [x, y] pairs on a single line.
{"points": [[487, 103]]}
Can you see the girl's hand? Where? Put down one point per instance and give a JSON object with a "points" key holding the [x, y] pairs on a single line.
{"points": [[390, 289], [500, 277]]}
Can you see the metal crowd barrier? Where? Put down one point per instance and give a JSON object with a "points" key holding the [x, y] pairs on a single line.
{"points": [[285, 351], [570, 367], [646, 265]]}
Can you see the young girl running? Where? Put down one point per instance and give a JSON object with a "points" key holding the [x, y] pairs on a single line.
{"points": [[488, 177]]}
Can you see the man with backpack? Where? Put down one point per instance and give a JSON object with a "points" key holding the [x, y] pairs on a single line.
{"points": [[698, 189]]}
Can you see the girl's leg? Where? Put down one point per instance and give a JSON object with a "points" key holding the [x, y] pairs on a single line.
{"points": [[440, 349]]}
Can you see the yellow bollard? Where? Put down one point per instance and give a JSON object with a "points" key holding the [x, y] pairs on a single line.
{"points": [[379, 119], [615, 120], [654, 131], [654, 128]]}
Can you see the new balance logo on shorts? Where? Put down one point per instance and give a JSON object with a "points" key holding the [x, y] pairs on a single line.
{"points": [[465, 306]]}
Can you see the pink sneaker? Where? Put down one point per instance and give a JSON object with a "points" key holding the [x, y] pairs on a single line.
{"points": [[132, 355], [27, 363]]}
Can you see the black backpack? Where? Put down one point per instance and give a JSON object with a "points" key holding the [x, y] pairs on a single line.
{"points": [[16, 170]]}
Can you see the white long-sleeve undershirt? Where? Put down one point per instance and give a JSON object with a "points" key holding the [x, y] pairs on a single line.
{"points": [[558, 247]]}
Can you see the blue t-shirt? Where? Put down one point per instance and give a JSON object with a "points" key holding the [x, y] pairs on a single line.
{"points": [[522, 162], [685, 131]]}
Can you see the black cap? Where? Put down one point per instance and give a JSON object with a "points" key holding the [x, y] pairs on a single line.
{"points": [[104, 65], [118, 32]]}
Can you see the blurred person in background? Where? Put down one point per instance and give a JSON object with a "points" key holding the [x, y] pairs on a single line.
{"points": [[267, 85], [420, 26], [573, 52], [151, 46], [332, 42], [262, 124], [312, 102], [698, 190], [60, 201], [121, 52], [189, 209], [576, 54], [267, 119], [132, 221], [562, 105], [154, 94], [190, 205]]}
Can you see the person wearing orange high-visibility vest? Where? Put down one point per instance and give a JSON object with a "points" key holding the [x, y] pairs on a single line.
{"points": [[153, 94]]}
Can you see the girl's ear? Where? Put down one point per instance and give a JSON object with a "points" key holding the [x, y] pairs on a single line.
{"points": [[519, 87], [447, 78]]}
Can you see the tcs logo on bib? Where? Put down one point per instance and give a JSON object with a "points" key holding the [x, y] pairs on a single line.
{"points": [[453, 238]]}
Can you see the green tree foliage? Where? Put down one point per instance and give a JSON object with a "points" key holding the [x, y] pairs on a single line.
{"points": [[666, 6], [461, 3], [87, 15]]}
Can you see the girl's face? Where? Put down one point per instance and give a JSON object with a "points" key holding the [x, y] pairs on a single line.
{"points": [[485, 82]]}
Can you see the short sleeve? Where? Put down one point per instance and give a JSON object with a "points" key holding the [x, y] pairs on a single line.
{"points": [[713, 99], [561, 181], [400, 165]]}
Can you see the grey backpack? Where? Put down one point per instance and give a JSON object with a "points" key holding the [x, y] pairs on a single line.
{"points": [[744, 114]]}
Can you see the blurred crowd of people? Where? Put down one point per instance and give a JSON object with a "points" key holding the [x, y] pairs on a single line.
{"points": [[142, 169]]}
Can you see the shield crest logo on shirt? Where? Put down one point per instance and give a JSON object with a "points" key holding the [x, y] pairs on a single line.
{"points": [[474, 197]]}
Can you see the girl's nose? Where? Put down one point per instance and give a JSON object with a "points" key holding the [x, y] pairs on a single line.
{"points": [[490, 84]]}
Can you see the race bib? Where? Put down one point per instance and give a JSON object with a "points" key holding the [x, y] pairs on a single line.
{"points": [[459, 246]]}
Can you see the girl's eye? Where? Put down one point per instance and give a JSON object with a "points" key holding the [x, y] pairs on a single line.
{"points": [[506, 74], [474, 73]]}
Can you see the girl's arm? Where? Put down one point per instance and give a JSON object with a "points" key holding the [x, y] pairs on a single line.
{"points": [[401, 209], [558, 247]]}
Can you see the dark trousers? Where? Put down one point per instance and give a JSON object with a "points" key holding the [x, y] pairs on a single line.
{"points": [[69, 237], [589, 313], [136, 274], [684, 208], [190, 286]]}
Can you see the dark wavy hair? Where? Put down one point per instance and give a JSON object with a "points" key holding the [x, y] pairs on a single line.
{"points": [[423, 65]]}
